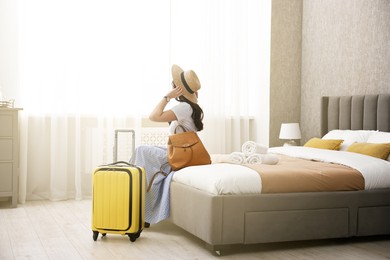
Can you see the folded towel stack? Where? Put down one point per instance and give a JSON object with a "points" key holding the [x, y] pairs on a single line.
{"points": [[251, 153]]}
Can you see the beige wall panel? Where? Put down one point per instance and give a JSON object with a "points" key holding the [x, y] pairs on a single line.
{"points": [[285, 82], [345, 51]]}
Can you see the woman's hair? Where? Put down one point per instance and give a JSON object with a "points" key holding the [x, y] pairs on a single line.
{"points": [[197, 112]]}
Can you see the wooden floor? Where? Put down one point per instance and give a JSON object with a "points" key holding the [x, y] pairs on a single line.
{"points": [[61, 230]]}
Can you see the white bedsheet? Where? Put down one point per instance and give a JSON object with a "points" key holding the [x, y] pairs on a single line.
{"points": [[225, 178], [220, 178]]}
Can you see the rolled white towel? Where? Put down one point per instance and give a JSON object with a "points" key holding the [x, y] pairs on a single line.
{"points": [[254, 158], [269, 159], [220, 158], [262, 159], [237, 158], [250, 147]]}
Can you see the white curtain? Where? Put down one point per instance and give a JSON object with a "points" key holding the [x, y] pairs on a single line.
{"points": [[88, 67]]}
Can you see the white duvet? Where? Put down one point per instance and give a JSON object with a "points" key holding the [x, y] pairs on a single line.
{"points": [[225, 178], [220, 178]]}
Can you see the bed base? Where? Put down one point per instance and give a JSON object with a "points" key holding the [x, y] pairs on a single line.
{"points": [[222, 220]]}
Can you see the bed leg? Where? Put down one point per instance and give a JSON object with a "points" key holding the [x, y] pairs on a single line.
{"points": [[216, 249]]}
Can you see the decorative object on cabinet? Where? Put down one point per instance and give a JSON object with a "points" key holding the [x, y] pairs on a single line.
{"points": [[7, 104]]}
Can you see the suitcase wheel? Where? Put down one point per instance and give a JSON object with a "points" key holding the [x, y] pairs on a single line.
{"points": [[95, 235], [133, 237]]}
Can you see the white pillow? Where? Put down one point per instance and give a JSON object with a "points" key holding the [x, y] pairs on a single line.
{"points": [[349, 136], [379, 138]]}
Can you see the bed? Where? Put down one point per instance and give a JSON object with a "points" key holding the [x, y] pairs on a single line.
{"points": [[252, 218]]}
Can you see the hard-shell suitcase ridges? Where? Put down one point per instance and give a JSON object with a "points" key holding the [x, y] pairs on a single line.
{"points": [[118, 200]]}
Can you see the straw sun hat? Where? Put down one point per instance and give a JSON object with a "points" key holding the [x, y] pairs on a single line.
{"points": [[188, 80]]}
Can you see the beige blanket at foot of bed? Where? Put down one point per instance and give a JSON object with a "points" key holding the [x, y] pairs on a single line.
{"points": [[300, 175]]}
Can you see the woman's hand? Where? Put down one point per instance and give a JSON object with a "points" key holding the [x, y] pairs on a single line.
{"points": [[158, 114], [175, 92]]}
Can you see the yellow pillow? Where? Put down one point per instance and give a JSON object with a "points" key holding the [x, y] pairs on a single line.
{"points": [[330, 144], [376, 150]]}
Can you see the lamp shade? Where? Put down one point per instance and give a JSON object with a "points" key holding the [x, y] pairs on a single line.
{"points": [[290, 131]]}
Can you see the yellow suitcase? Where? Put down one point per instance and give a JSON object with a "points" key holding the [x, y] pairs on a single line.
{"points": [[118, 202]]}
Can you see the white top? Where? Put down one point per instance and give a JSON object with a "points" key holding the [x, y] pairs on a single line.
{"points": [[183, 112]]}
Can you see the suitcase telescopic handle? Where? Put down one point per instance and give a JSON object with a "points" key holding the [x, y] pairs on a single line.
{"points": [[115, 148]]}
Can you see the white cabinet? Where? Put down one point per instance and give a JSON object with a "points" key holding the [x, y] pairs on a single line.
{"points": [[9, 153]]}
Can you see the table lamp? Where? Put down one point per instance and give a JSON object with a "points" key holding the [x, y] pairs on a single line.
{"points": [[290, 131]]}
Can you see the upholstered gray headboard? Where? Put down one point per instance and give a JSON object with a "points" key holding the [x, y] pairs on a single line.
{"points": [[364, 112]]}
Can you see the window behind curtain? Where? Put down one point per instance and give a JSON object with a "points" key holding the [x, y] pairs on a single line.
{"points": [[114, 57], [94, 57]]}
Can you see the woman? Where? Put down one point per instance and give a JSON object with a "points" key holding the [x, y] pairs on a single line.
{"points": [[154, 159]]}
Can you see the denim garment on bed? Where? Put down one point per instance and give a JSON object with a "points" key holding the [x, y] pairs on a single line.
{"points": [[152, 158]]}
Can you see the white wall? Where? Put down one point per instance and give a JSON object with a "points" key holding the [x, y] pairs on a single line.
{"points": [[9, 49]]}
